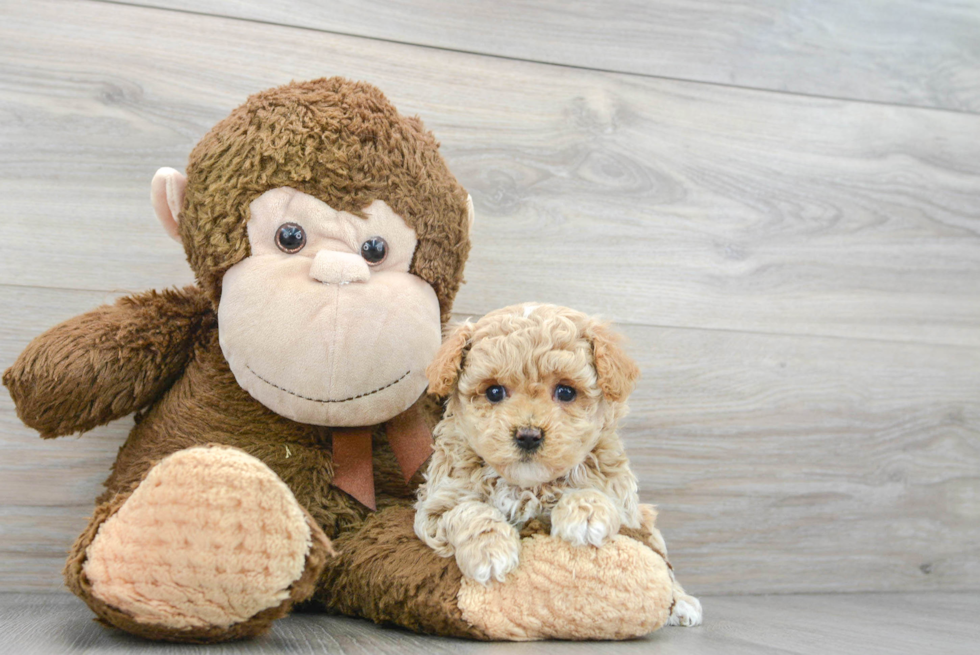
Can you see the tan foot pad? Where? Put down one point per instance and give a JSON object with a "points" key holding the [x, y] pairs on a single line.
{"points": [[560, 591], [211, 537]]}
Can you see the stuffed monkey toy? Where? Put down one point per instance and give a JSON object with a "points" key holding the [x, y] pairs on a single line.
{"points": [[280, 407]]}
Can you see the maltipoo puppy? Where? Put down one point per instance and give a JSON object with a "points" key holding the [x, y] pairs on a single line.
{"points": [[535, 394]]}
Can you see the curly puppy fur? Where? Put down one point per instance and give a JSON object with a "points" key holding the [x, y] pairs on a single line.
{"points": [[481, 487]]}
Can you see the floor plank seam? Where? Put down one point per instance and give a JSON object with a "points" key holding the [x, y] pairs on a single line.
{"points": [[605, 71], [654, 326]]}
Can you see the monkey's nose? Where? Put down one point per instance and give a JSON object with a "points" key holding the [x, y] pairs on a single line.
{"points": [[332, 267], [528, 438]]}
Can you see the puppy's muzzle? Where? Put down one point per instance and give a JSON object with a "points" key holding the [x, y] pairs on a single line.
{"points": [[528, 439]]}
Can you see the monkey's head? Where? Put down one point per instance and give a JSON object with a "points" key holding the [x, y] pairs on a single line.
{"points": [[331, 237]]}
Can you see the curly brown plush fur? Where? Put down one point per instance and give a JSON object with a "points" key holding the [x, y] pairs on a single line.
{"points": [[157, 354], [160, 355], [341, 142]]}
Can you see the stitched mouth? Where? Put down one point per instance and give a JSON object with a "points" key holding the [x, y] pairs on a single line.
{"points": [[329, 400]]}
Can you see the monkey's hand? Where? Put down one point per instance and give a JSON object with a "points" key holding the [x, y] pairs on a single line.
{"points": [[102, 365]]}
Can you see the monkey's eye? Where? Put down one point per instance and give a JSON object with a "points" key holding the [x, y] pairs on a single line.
{"points": [[374, 250], [290, 238], [565, 393], [496, 393]]}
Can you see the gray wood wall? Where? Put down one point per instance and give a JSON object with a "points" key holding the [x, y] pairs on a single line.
{"points": [[778, 202]]}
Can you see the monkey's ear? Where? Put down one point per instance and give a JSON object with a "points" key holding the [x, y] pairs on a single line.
{"points": [[444, 369], [167, 196], [470, 213], [617, 372]]}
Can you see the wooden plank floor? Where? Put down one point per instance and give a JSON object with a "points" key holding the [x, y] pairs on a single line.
{"points": [[699, 206], [799, 276], [870, 624], [895, 51], [817, 463]]}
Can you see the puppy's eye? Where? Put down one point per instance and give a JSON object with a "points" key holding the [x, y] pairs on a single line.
{"points": [[290, 238], [496, 393], [565, 393], [374, 250]]}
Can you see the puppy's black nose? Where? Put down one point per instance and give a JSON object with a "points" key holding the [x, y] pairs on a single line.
{"points": [[528, 439]]}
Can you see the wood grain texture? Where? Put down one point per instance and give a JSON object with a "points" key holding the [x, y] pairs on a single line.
{"points": [[47, 489], [895, 51], [800, 277], [779, 463], [689, 205], [872, 624]]}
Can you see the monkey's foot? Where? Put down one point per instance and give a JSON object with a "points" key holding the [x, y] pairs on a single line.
{"points": [[211, 545], [560, 591]]}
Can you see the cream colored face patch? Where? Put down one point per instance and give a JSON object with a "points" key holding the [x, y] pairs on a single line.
{"points": [[323, 323]]}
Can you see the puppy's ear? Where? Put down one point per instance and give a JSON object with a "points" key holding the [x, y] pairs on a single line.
{"points": [[617, 372], [444, 369]]}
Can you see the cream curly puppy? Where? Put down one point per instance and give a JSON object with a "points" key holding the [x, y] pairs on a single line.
{"points": [[535, 394]]}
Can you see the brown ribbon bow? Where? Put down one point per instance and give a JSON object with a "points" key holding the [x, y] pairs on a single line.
{"points": [[410, 440]]}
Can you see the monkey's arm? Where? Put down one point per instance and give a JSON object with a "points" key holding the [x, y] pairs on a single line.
{"points": [[104, 364]]}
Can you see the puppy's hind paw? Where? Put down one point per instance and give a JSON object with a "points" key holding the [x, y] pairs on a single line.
{"points": [[686, 612], [490, 555]]}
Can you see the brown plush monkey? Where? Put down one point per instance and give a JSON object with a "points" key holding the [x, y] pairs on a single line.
{"points": [[279, 403]]}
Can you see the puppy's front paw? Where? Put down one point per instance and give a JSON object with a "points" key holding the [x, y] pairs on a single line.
{"points": [[491, 553], [585, 518], [686, 611]]}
